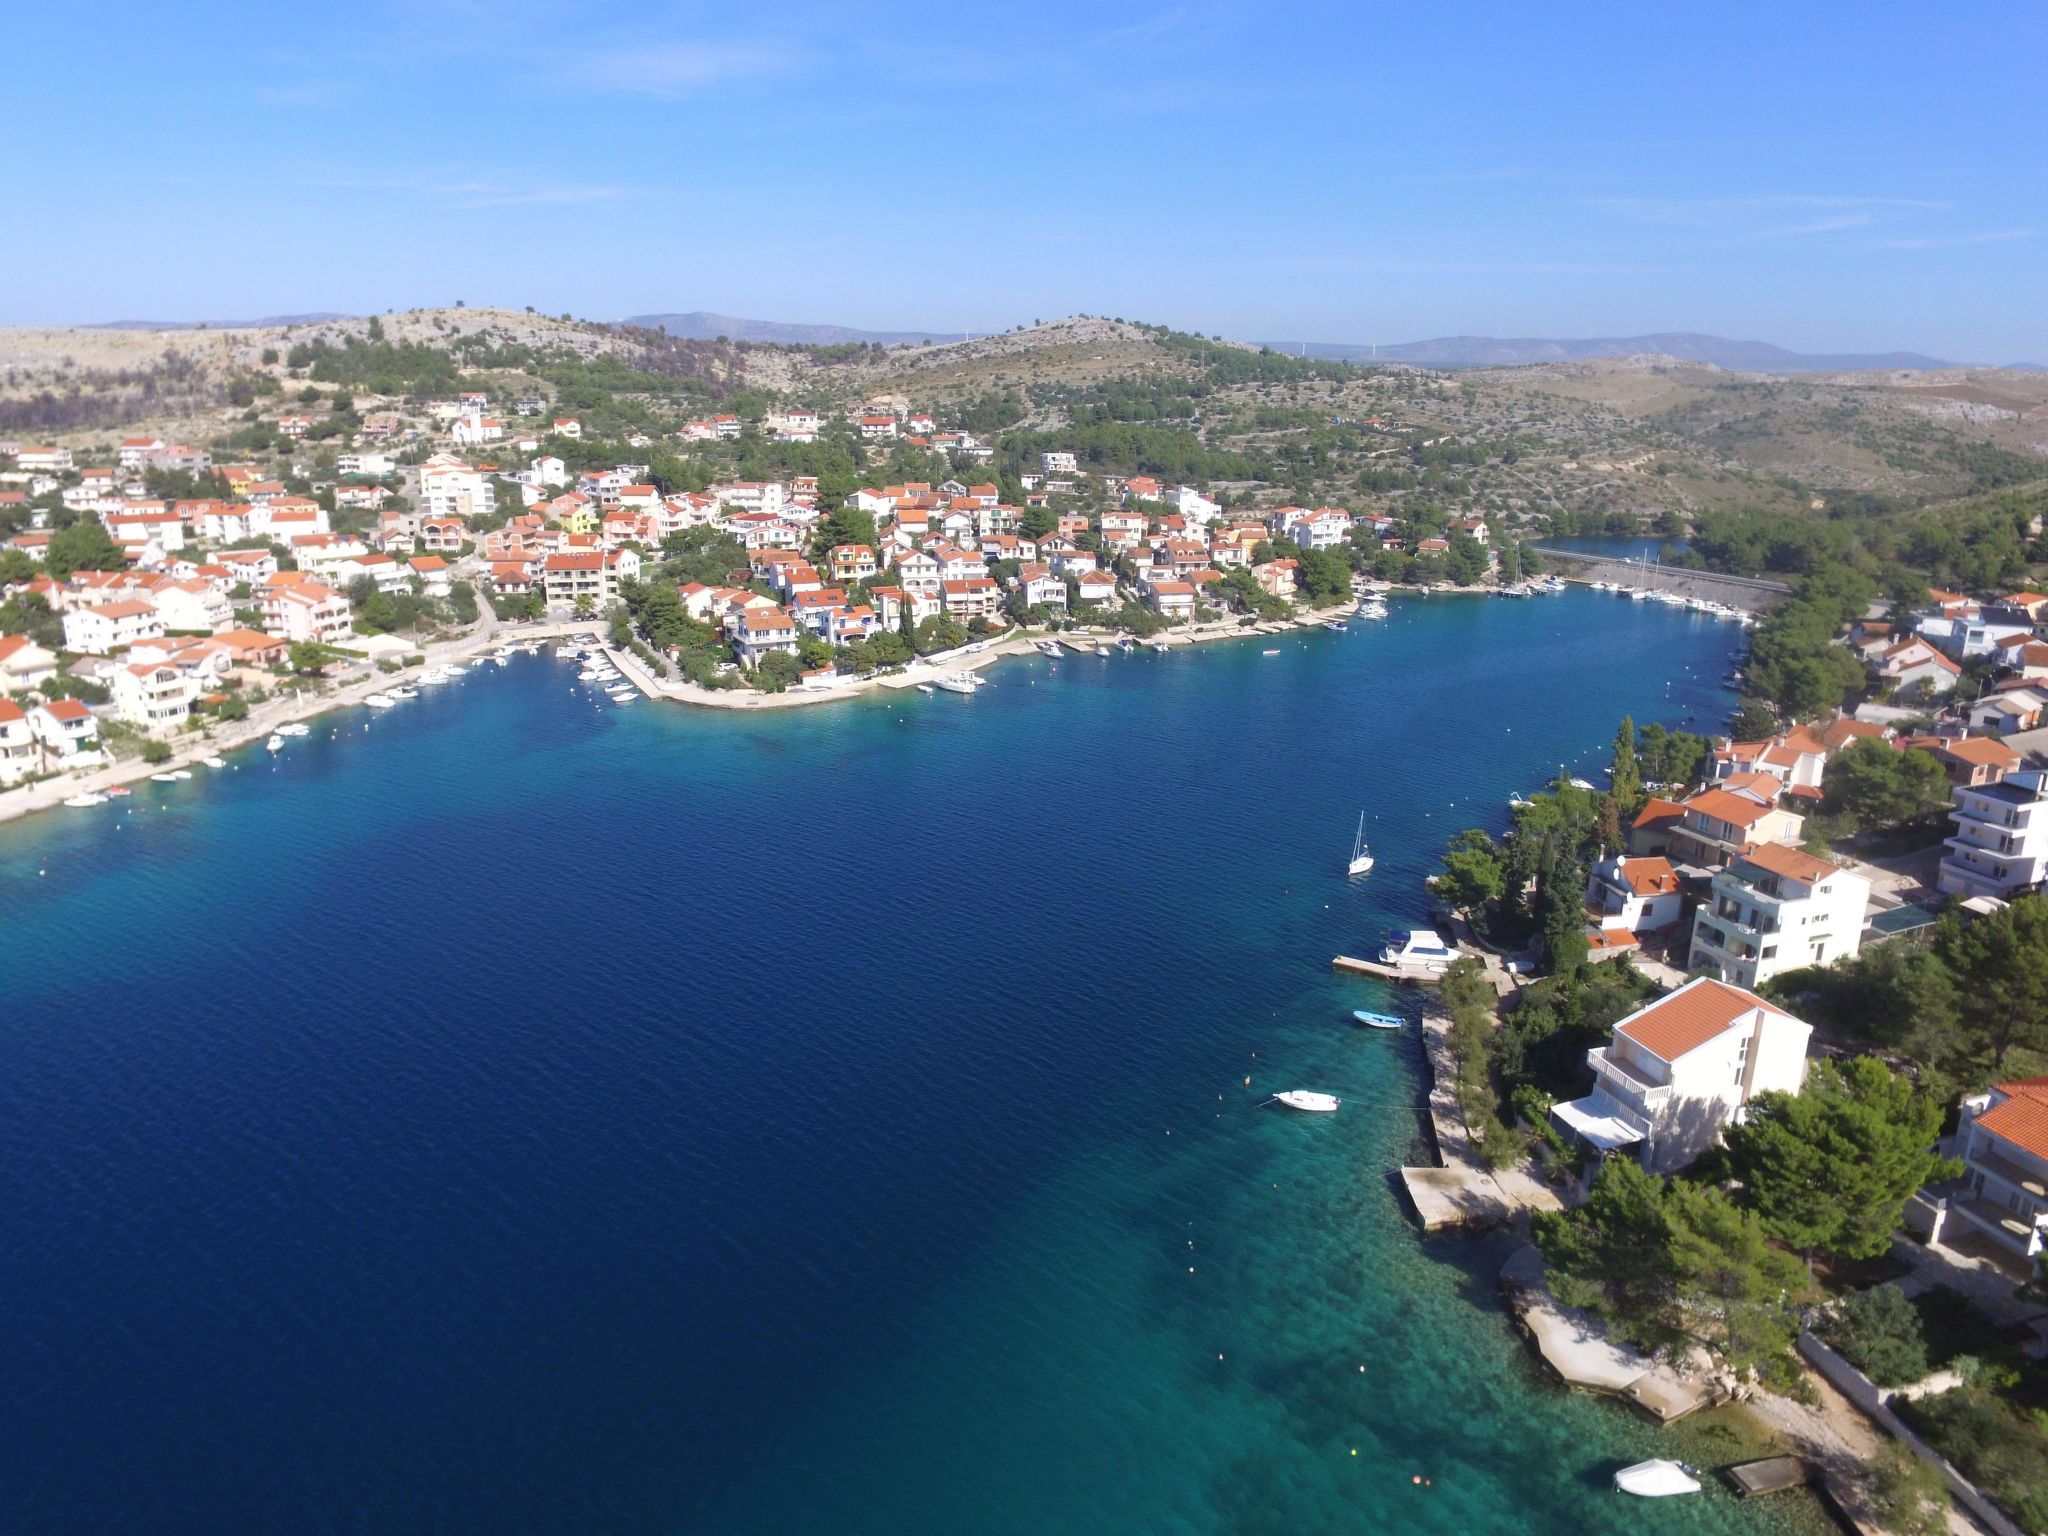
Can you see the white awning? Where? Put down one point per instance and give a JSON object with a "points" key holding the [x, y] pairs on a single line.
{"points": [[1589, 1117]]}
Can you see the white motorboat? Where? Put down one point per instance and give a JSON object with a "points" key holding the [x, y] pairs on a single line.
{"points": [[403, 693], [380, 701], [1361, 861], [275, 744], [296, 728], [954, 682], [1314, 1103], [1519, 801], [1579, 783], [86, 799], [1417, 949], [623, 691], [1275, 651], [926, 688], [1373, 1020], [1336, 627], [180, 775], [451, 669], [1656, 1479], [1047, 647], [567, 653], [1159, 645], [163, 778], [214, 762]]}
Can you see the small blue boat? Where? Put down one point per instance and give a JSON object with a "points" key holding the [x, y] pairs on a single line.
{"points": [[1373, 1020]]}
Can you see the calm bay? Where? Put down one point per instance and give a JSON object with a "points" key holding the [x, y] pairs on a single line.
{"points": [[511, 1112]]}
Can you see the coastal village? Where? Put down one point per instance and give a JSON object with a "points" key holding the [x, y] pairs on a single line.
{"points": [[161, 601]]}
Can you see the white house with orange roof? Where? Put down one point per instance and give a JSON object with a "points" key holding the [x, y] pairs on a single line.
{"points": [[758, 633], [307, 610], [102, 630], [18, 755], [1679, 1070], [1777, 909], [1634, 895], [2003, 1143], [1718, 824], [66, 732], [1917, 663], [196, 606], [24, 664], [154, 696]]}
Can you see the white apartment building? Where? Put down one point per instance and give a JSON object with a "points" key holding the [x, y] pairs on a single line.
{"points": [[1776, 909], [156, 697], [307, 611], [1680, 1069], [103, 630], [2003, 1142], [2000, 845], [1640, 895], [451, 488]]}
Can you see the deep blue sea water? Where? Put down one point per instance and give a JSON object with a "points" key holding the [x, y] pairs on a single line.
{"points": [[513, 1113]]}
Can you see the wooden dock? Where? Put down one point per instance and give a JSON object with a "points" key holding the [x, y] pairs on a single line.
{"points": [[1774, 1474]]}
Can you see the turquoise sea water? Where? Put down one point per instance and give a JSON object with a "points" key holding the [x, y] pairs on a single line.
{"points": [[514, 1113]]}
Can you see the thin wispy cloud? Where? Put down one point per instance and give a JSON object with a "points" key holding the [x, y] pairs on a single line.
{"points": [[1944, 242], [1767, 216], [1140, 32], [680, 71]]}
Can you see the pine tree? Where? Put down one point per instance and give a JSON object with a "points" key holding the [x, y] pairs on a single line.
{"points": [[1624, 773]]}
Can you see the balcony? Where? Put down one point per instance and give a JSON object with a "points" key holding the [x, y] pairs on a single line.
{"points": [[1632, 1091]]}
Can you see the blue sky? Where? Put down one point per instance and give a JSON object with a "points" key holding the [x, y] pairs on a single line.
{"points": [[1825, 177]]}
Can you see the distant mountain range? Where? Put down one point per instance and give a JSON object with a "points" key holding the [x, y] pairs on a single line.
{"points": [[213, 325], [700, 325], [1503, 352], [1440, 352]]}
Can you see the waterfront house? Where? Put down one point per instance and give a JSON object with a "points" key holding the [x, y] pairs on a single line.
{"points": [[18, 756], [758, 633], [1776, 909], [1324, 528], [66, 732], [1097, 587], [1276, 578], [595, 574], [1171, 600], [2000, 843], [1633, 895], [1680, 1069], [24, 664], [154, 696], [971, 597], [304, 610], [1038, 587]]}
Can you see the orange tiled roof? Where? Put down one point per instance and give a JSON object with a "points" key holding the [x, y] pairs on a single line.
{"points": [[1689, 1017]]}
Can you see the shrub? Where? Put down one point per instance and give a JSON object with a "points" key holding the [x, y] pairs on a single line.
{"points": [[156, 752], [1879, 1331], [1991, 1444]]}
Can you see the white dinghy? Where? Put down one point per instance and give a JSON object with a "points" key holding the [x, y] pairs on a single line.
{"points": [[1656, 1479]]}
